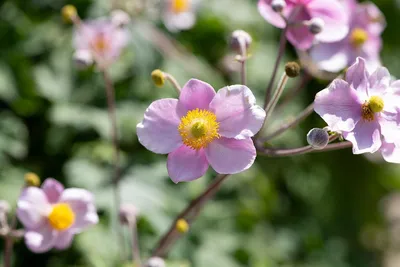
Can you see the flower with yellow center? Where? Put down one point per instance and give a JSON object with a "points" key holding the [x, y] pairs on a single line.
{"points": [[358, 37], [369, 108], [61, 217], [180, 6], [198, 128]]}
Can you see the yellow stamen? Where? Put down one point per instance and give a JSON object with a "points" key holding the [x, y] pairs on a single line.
{"points": [[100, 44], [358, 37], [61, 217], [179, 6], [369, 108], [198, 128]]}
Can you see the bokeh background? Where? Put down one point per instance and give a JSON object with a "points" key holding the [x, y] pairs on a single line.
{"points": [[317, 210]]}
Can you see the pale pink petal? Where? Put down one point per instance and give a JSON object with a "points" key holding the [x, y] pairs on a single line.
{"points": [[365, 137], [332, 57], [229, 156], [53, 189], [391, 152], [186, 164], [390, 125], [195, 94], [299, 35], [158, 131], [395, 86], [42, 239], [33, 207], [339, 106], [64, 240], [266, 11], [237, 113], [379, 82], [357, 76], [81, 202], [179, 21]]}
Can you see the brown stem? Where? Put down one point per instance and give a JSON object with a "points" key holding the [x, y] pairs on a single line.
{"points": [[188, 214], [135, 243]]}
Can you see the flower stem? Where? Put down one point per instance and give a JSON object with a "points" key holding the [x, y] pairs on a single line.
{"points": [[277, 94], [173, 82], [135, 243], [189, 214], [294, 92], [243, 50]]}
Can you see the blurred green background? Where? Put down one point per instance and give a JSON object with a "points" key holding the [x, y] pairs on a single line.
{"points": [[316, 210]]}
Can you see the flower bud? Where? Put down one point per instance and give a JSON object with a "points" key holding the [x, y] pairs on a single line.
{"points": [[318, 138], [155, 262], [292, 69], [127, 213], [278, 5], [316, 25], [31, 179], [182, 226], [69, 13], [120, 18], [83, 59], [158, 78], [239, 38], [4, 207]]}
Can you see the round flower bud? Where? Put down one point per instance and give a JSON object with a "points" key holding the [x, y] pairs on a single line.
{"points": [[127, 213], [292, 69], [158, 78], [4, 206], [316, 25], [83, 59], [238, 38], [318, 138], [120, 18], [155, 262], [278, 5], [31, 179], [182, 226], [69, 13]]}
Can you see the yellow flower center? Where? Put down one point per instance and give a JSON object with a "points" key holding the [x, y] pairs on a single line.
{"points": [[100, 44], [198, 128], [369, 108], [179, 6], [358, 37], [61, 217]]}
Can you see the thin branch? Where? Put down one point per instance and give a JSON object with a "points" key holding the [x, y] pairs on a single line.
{"points": [[135, 243]]}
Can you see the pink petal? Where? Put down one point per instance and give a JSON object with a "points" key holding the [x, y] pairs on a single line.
{"points": [[82, 204], [332, 57], [42, 239], [365, 137], [186, 164], [300, 36], [229, 156], [391, 152], [335, 17], [181, 21], [265, 9], [237, 113], [158, 131], [33, 207], [195, 94], [379, 82], [64, 240], [339, 106], [357, 76], [53, 189], [390, 125]]}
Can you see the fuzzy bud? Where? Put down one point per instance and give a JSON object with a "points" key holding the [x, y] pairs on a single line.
{"points": [[239, 38], [182, 226], [69, 13], [4, 207], [292, 69], [127, 213], [31, 179], [155, 262], [158, 78], [318, 138], [316, 25], [120, 18], [83, 59], [278, 5]]}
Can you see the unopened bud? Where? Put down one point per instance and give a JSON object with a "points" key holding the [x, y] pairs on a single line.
{"points": [[31, 179], [292, 69], [318, 138], [69, 13], [240, 38], [120, 18], [158, 78], [316, 25], [155, 262], [83, 59], [182, 226], [278, 5], [4, 207], [127, 213]]}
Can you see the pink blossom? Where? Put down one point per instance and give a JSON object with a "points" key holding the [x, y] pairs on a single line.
{"points": [[180, 14], [364, 40], [299, 14], [365, 108], [52, 215], [202, 128], [101, 39]]}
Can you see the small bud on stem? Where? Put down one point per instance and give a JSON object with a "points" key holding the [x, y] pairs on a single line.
{"points": [[318, 138], [292, 69], [31, 179]]}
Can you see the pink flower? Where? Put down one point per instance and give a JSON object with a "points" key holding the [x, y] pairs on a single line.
{"points": [[52, 216], [202, 128], [365, 108], [364, 40], [300, 13], [99, 40], [180, 14]]}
